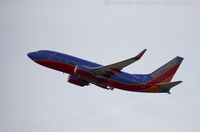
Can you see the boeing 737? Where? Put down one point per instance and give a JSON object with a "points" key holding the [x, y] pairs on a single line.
{"points": [[82, 72]]}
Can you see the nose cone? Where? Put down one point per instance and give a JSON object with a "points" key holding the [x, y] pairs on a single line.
{"points": [[32, 55], [29, 54]]}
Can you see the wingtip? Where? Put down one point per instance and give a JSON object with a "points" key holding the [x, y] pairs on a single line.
{"points": [[143, 51], [140, 54], [178, 82]]}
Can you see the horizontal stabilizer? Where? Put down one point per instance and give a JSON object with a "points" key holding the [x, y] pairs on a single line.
{"points": [[167, 86]]}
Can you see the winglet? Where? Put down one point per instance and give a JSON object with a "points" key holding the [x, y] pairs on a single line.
{"points": [[140, 54]]}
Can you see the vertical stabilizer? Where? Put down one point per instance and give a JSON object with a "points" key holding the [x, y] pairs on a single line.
{"points": [[167, 71]]}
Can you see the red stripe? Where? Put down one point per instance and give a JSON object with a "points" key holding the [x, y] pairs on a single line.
{"points": [[63, 67]]}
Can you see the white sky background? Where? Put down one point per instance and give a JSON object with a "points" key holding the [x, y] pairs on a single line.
{"points": [[37, 99]]}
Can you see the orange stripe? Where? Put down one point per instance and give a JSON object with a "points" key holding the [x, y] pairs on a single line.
{"points": [[168, 79], [155, 88]]}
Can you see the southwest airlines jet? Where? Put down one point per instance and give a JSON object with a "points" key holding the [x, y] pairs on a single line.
{"points": [[82, 72]]}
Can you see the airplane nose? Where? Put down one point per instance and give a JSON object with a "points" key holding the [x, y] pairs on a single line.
{"points": [[31, 55]]}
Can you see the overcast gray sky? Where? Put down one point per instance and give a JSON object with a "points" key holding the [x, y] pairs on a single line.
{"points": [[37, 99]]}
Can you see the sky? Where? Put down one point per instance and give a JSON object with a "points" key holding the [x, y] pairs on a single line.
{"points": [[37, 99]]}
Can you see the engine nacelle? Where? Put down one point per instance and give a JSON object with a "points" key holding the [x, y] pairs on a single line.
{"points": [[82, 71], [77, 81]]}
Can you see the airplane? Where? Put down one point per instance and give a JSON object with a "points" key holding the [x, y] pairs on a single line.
{"points": [[82, 72]]}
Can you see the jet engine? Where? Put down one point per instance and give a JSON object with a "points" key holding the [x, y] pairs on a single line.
{"points": [[77, 81]]}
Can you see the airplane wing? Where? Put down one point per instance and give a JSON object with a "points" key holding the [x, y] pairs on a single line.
{"points": [[111, 69]]}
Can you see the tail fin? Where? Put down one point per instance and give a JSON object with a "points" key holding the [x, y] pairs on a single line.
{"points": [[167, 71]]}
